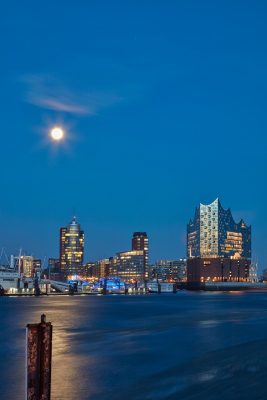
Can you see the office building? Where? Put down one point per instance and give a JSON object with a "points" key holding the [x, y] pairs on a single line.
{"points": [[71, 248], [97, 269], [140, 242], [169, 270], [89, 270], [103, 266], [128, 265]]}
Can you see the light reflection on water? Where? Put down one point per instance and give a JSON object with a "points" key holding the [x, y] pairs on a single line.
{"points": [[186, 346]]}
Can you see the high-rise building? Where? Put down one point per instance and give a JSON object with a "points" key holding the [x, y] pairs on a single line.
{"points": [[214, 233], [140, 242], [71, 248], [218, 248], [128, 265]]}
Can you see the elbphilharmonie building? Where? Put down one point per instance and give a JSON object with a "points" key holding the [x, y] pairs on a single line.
{"points": [[214, 233], [218, 247]]}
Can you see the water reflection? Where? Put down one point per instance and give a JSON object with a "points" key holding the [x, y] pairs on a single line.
{"points": [[145, 347]]}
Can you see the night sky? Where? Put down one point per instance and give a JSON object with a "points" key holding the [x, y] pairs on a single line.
{"points": [[164, 106]]}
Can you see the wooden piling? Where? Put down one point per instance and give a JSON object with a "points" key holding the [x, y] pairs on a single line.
{"points": [[38, 360]]}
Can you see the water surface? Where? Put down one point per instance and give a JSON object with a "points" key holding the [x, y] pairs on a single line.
{"points": [[185, 346]]}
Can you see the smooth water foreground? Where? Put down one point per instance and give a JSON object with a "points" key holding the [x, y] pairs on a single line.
{"points": [[183, 346]]}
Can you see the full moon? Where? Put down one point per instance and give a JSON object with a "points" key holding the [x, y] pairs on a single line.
{"points": [[57, 133]]}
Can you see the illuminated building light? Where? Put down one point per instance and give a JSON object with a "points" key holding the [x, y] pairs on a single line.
{"points": [[71, 248]]}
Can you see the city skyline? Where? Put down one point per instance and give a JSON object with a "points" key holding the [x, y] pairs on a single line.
{"points": [[231, 245], [163, 108], [133, 207]]}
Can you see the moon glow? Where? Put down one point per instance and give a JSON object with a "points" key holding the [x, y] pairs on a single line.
{"points": [[57, 133]]}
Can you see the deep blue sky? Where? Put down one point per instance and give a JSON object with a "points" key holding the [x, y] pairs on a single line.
{"points": [[164, 103]]}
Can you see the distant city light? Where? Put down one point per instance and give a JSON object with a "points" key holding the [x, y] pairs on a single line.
{"points": [[57, 133]]}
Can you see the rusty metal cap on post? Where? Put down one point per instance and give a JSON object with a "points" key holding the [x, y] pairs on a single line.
{"points": [[43, 319]]}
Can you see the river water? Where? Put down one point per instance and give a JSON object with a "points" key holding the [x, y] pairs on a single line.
{"points": [[182, 346]]}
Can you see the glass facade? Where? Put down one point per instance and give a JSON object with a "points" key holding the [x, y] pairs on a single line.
{"points": [[140, 242], [169, 270], [71, 248], [128, 265], [214, 233]]}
